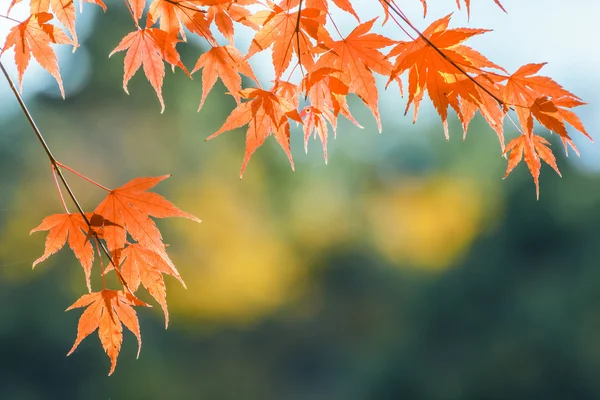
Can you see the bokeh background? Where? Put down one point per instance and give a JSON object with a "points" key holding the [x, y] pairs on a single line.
{"points": [[405, 269]]}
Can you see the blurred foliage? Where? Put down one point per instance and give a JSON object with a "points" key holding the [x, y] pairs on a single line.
{"points": [[406, 268]]}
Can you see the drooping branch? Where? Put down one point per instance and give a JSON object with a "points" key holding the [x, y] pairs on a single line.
{"points": [[56, 168]]}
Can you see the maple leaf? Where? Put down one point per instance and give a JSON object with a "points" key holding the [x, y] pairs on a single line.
{"points": [[33, 36], [72, 227], [225, 62], [315, 121], [129, 208], [266, 113], [532, 148], [108, 311], [225, 12], [289, 33], [433, 61], [541, 98], [140, 265], [64, 10], [137, 8], [327, 96], [174, 15], [355, 58], [149, 47]]}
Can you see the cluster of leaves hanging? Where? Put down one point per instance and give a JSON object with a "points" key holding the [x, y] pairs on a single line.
{"points": [[332, 66], [121, 224]]}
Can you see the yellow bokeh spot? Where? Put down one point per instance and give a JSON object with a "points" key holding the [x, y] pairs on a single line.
{"points": [[428, 223], [237, 266]]}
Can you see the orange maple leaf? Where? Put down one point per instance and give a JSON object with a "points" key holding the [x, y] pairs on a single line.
{"points": [[225, 12], [137, 8], [33, 36], [355, 58], [174, 15], [266, 113], [108, 311], [73, 227], [289, 33], [64, 10], [532, 148], [140, 265], [225, 62], [327, 95], [149, 47], [433, 61], [540, 97], [129, 208]]}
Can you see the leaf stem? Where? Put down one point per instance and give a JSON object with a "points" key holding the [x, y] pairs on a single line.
{"points": [[96, 242], [62, 198], [82, 176], [56, 166]]}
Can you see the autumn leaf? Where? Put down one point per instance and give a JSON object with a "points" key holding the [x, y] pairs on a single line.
{"points": [[140, 265], [327, 96], [130, 207], [227, 63], [108, 311], [72, 227], [289, 33], [33, 37], [148, 48], [540, 97], [266, 113], [533, 149], [355, 58], [438, 62], [225, 12], [174, 15], [137, 8]]}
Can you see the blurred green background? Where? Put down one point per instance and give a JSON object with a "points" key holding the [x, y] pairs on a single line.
{"points": [[405, 269]]}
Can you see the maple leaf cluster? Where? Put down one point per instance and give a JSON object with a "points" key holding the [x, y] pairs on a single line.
{"points": [[137, 253], [299, 34]]}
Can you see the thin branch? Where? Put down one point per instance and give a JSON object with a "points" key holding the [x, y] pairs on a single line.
{"points": [[297, 30], [398, 12], [10, 19], [56, 167]]}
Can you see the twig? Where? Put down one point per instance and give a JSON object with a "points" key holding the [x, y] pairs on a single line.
{"points": [[56, 166]]}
